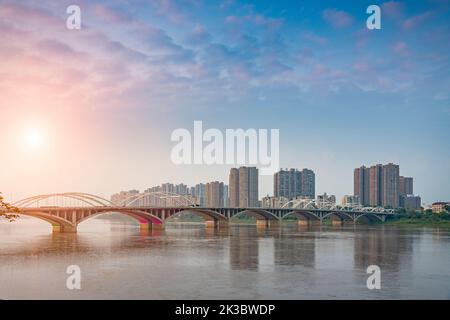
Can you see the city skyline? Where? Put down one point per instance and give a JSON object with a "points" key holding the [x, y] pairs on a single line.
{"points": [[93, 109], [375, 186]]}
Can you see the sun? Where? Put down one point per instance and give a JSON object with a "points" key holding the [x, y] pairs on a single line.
{"points": [[34, 139]]}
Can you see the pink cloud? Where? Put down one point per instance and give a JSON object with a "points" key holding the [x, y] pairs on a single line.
{"points": [[255, 19], [171, 10], [400, 48], [338, 19], [392, 8], [416, 20], [111, 15], [361, 66], [311, 36], [33, 16]]}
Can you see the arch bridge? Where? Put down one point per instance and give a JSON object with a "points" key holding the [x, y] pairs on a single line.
{"points": [[65, 211]]}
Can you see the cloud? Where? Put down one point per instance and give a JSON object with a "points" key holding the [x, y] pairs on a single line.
{"points": [[199, 35], [312, 37], [338, 19], [172, 11], [37, 17], [254, 20], [151, 63], [161, 46], [392, 9], [111, 15], [400, 48], [415, 21]]}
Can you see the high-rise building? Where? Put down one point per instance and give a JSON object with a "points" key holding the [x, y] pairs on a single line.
{"points": [[168, 187], [405, 186], [225, 196], [381, 185], [181, 189], [214, 194], [292, 184], [287, 183], [233, 191], [124, 197], [199, 193], [308, 184], [243, 188], [390, 185], [361, 184], [375, 185], [248, 187]]}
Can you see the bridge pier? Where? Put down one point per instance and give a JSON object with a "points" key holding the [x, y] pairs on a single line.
{"points": [[273, 223], [262, 223], [216, 224], [309, 223], [335, 221], [151, 226]]}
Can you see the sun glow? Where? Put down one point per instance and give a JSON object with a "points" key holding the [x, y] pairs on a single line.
{"points": [[34, 139]]}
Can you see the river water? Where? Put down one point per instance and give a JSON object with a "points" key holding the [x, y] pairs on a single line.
{"points": [[117, 261]]}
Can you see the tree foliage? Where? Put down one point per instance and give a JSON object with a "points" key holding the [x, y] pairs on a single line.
{"points": [[7, 211], [426, 216]]}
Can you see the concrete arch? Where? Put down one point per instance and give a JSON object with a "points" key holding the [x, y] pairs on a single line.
{"points": [[206, 214], [302, 214], [58, 224], [258, 214], [370, 217], [339, 214], [141, 216]]}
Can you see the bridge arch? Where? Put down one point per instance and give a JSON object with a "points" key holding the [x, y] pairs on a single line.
{"points": [[140, 216], [259, 214], [370, 217], [341, 214], [206, 214], [302, 214], [58, 223]]}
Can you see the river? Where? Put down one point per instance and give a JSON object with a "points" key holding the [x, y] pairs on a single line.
{"points": [[117, 261]]}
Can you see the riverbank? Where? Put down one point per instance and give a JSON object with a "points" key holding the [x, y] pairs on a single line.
{"points": [[418, 222], [420, 219]]}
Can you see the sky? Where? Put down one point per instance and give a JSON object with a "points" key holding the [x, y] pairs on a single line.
{"points": [[92, 110]]}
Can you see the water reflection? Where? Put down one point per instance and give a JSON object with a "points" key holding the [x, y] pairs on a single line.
{"points": [[300, 252], [244, 248], [385, 247]]}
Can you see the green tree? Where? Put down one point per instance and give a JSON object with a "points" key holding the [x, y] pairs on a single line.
{"points": [[7, 211], [447, 208]]}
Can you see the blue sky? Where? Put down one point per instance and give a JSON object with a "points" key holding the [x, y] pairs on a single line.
{"points": [[341, 95]]}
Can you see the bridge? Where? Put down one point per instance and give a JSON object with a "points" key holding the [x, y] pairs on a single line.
{"points": [[65, 211]]}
